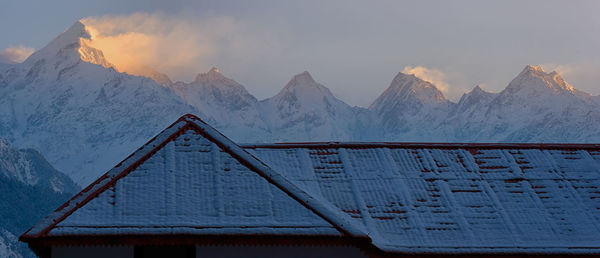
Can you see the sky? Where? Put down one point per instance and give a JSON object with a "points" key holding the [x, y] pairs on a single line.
{"points": [[355, 48]]}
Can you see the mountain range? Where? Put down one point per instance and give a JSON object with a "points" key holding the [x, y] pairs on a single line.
{"points": [[70, 103]]}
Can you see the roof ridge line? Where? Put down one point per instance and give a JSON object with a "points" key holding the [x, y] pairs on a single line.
{"points": [[328, 213], [281, 145]]}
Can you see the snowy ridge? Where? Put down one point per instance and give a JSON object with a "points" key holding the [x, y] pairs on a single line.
{"points": [[409, 107], [533, 80], [408, 88], [471, 102], [30, 168], [237, 113], [67, 101], [308, 109], [535, 107]]}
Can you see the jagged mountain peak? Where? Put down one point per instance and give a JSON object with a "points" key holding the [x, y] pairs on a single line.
{"points": [[408, 88], [211, 76], [476, 96], [304, 83], [67, 42], [306, 110], [534, 68], [411, 84], [213, 79], [303, 78], [534, 80], [403, 80], [73, 34], [477, 91], [536, 71], [303, 86], [212, 89], [64, 53], [303, 90]]}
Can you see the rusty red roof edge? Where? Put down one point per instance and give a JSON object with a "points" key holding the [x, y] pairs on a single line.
{"points": [[417, 145]]}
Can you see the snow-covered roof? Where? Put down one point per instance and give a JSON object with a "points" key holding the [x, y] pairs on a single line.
{"points": [[190, 179], [455, 198], [404, 197]]}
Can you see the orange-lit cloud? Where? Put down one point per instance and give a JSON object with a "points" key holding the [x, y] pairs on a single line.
{"points": [[15, 54], [434, 76], [178, 46]]}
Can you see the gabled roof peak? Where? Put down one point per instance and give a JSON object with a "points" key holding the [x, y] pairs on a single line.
{"points": [[189, 117], [337, 219]]}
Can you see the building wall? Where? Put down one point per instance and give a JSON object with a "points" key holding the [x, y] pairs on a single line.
{"points": [[205, 251], [278, 251], [92, 251]]}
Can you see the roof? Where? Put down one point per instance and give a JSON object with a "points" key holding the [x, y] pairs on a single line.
{"points": [[191, 180], [417, 145], [455, 198]]}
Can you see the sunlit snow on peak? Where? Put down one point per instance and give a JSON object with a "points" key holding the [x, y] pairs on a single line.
{"points": [[431, 75]]}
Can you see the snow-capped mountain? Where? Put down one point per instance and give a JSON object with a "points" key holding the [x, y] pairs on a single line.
{"points": [[538, 107], [305, 110], [68, 102], [535, 107], [71, 103], [472, 106], [31, 168], [412, 109], [470, 101], [226, 103]]}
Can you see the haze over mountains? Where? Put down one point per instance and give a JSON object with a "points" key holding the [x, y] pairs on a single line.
{"points": [[70, 103]]}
